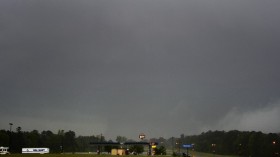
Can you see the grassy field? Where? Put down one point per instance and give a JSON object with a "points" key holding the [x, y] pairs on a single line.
{"points": [[198, 154], [193, 154]]}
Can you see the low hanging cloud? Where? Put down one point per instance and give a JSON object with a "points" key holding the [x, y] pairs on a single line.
{"points": [[261, 119]]}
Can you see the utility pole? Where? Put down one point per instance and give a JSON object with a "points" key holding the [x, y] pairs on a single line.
{"points": [[100, 145], [172, 143], [10, 138]]}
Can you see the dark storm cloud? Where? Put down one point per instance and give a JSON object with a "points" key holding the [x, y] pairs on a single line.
{"points": [[125, 67]]}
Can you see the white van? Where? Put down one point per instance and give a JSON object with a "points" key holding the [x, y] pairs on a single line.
{"points": [[4, 150]]}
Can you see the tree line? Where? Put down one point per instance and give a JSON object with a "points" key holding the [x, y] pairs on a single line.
{"points": [[241, 143], [57, 142], [62, 142]]}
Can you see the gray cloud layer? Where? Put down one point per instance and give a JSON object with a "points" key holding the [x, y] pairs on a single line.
{"points": [[123, 67]]}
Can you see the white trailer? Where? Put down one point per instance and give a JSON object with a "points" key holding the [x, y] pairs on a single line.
{"points": [[36, 150], [4, 150]]}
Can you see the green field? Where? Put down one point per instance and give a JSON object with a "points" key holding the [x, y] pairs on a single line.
{"points": [[193, 154]]}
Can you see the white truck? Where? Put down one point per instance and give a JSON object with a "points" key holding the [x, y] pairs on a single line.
{"points": [[4, 150], [36, 150]]}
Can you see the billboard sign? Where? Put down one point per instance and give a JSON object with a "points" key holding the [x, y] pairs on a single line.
{"points": [[36, 150]]}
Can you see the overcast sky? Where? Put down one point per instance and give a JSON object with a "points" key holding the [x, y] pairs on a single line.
{"points": [[124, 67]]}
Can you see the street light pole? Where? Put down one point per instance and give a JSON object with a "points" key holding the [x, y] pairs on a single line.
{"points": [[11, 124], [274, 150], [172, 141], [10, 137]]}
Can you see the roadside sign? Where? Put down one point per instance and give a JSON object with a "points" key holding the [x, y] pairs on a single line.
{"points": [[142, 136], [187, 145]]}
